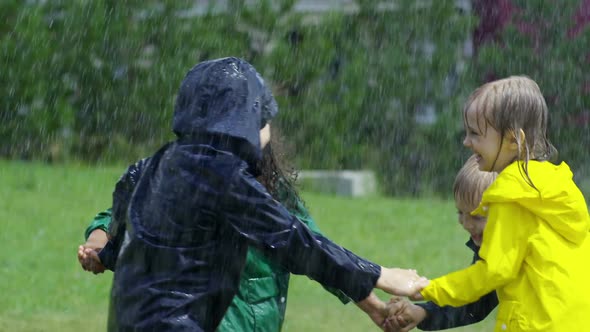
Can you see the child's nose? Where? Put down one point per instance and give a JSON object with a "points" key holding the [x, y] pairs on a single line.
{"points": [[466, 141]]}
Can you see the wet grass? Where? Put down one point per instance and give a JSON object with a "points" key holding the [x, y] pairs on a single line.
{"points": [[44, 210]]}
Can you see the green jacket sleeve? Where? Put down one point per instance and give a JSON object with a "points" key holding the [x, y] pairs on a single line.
{"points": [[303, 214], [100, 221]]}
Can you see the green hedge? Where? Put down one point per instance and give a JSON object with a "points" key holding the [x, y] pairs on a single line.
{"points": [[96, 80]]}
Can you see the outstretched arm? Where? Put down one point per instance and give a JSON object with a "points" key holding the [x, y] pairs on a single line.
{"points": [[96, 238], [105, 233], [374, 308], [502, 254], [447, 317], [404, 315], [253, 213]]}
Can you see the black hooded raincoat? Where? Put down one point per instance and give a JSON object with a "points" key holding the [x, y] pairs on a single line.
{"points": [[183, 231]]}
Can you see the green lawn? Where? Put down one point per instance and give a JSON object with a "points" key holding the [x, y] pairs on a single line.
{"points": [[44, 210]]}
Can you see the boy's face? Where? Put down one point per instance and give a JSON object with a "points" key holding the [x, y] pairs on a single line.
{"points": [[474, 225]]}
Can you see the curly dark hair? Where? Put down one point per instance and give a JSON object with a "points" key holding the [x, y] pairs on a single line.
{"points": [[276, 173]]}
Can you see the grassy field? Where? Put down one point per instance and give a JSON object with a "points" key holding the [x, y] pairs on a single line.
{"points": [[45, 209]]}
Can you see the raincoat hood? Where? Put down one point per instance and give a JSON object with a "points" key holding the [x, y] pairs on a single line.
{"points": [[557, 200], [224, 100]]}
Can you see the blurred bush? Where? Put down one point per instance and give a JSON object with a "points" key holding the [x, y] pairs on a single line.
{"points": [[82, 76], [551, 44], [380, 88]]}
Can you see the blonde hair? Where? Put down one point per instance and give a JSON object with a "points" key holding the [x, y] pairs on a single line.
{"points": [[470, 183], [514, 105]]}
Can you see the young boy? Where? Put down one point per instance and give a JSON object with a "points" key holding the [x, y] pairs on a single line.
{"points": [[469, 186]]}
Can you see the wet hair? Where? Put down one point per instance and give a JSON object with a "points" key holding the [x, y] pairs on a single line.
{"points": [[512, 105], [276, 174], [470, 183]]}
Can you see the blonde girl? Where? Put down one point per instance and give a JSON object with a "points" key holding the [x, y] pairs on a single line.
{"points": [[535, 245]]}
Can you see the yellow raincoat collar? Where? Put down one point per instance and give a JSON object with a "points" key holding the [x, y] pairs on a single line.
{"points": [[552, 201]]}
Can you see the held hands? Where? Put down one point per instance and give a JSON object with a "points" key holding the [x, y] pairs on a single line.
{"points": [[88, 252], [89, 259], [375, 308], [394, 316], [397, 315], [403, 315], [401, 282]]}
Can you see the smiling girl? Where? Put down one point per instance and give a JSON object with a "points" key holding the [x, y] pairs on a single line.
{"points": [[536, 241]]}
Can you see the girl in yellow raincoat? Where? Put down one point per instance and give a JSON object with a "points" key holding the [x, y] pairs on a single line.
{"points": [[536, 244]]}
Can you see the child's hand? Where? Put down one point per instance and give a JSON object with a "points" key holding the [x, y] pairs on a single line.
{"points": [[89, 260], [417, 296], [88, 252], [403, 315], [375, 308], [401, 282]]}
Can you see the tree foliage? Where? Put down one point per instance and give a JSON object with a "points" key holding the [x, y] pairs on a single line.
{"points": [[380, 88], [358, 82], [551, 45]]}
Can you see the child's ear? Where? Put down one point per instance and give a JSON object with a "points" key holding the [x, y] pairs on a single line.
{"points": [[515, 139]]}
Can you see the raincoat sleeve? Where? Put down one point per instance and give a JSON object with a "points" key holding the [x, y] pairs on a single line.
{"points": [[121, 196], [254, 214], [100, 221], [447, 317], [303, 214], [502, 253]]}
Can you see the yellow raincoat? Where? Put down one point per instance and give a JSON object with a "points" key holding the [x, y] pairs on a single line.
{"points": [[535, 253]]}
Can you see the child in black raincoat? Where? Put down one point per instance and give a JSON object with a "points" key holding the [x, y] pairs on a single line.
{"points": [[183, 234]]}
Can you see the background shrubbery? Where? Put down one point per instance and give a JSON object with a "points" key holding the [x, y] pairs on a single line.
{"points": [[378, 89]]}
